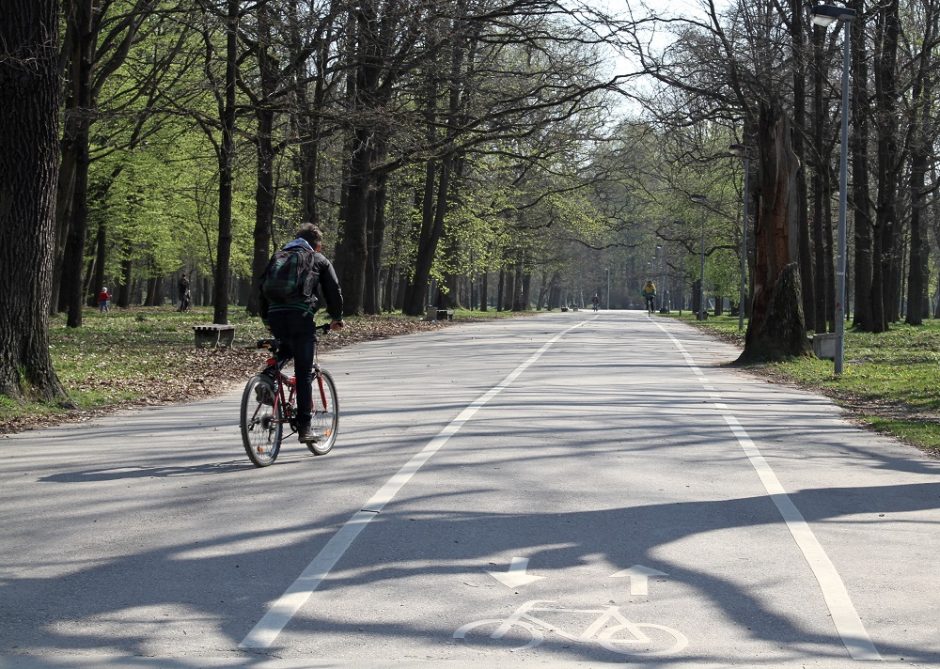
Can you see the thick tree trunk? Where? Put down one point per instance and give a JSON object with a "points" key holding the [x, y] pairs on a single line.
{"points": [[308, 116], [415, 299], [127, 278], [886, 208], [797, 40], [352, 251], [525, 296], [376, 241], [226, 168], [776, 328], [264, 205], [430, 237], [822, 268], [920, 161], [29, 156], [861, 198], [76, 141], [264, 156], [81, 41], [554, 292]]}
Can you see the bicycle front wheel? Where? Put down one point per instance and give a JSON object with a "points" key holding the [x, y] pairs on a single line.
{"points": [[261, 423], [324, 415]]}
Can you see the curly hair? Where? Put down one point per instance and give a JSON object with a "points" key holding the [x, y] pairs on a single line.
{"points": [[310, 233]]}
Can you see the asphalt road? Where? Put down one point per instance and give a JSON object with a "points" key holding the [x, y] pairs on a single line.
{"points": [[571, 490]]}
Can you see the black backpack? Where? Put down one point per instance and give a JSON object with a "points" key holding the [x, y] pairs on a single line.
{"points": [[285, 280]]}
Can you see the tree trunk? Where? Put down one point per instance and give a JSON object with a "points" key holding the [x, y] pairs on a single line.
{"points": [[352, 252], [76, 141], [861, 199], [309, 115], [127, 277], [29, 155], [101, 256], [264, 206], [264, 150], [430, 237], [500, 289], [81, 42], [554, 292], [376, 241], [886, 207], [920, 161], [226, 168], [822, 270], [776, 329], [415, 300], [797, 41]]}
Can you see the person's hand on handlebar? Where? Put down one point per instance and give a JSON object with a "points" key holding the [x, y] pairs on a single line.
{"points": [[337, 325]]}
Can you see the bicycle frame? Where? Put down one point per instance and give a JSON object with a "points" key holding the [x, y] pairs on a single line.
{"points": [[285, 405]]}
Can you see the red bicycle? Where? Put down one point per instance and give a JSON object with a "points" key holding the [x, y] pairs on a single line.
{"points": [[269, 402]]}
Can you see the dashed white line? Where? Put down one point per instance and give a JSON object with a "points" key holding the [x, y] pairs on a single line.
{"points": [[844, 616], [266, 631]]}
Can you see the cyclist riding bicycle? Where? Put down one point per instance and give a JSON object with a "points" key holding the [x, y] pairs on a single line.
{"points": [[288, 288], [649, 295]]}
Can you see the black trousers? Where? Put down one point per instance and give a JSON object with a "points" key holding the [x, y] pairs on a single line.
{"points": [[297, 335]]}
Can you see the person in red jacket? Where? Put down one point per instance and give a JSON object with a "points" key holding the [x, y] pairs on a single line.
{"points": [[104, 300]]}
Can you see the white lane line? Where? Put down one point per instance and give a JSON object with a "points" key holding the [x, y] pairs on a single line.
{"points": [[844, 616], [286, 606]]}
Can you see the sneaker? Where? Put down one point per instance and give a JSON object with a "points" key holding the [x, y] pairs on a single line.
{"points": [[307, 435]]}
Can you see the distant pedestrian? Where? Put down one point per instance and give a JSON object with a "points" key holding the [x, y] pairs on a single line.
{"points": [[183, 289], [104, 300]]}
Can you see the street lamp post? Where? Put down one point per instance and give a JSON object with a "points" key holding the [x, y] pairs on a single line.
{"points": [[608, 289], [701, 199], [660, 270], [740, 151], [826, 15]]}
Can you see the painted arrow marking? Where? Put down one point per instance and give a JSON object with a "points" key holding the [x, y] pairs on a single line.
{"points": [[639, 578], [516, 575]]}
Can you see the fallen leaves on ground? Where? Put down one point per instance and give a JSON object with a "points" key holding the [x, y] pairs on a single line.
{"points": [[194, 373]]}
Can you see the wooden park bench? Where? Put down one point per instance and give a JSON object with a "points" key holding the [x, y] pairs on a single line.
{"points": [[435, 314], [214, 336]]}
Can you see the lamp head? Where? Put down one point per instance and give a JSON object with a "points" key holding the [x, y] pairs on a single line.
{"points": [[826, 15], [738, 150], [698, 199]]}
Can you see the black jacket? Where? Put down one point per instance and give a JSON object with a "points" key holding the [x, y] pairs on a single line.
{"points": [[319, 273]]}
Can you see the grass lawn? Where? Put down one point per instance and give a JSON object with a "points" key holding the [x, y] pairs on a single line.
{"points": [[891, 380], [145, 355]]}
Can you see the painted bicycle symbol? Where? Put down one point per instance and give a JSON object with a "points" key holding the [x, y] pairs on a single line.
{"points": [[610, 630]]}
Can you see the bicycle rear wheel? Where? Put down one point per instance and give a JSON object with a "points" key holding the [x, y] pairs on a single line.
{"points": [[324, 415], [261, 423]]}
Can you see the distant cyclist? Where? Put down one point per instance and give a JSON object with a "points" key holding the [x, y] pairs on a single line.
{"points": [[288, 303], [596, 300], [649, 295]]}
